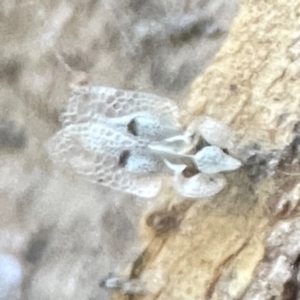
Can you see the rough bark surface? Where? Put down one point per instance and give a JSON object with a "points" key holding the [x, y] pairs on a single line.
{"points": [[244, 243]]}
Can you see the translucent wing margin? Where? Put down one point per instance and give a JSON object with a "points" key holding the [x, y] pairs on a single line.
{"points": [[88, 102]]}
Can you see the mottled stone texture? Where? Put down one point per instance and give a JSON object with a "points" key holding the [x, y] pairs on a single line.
{"points": [[66, 233]]}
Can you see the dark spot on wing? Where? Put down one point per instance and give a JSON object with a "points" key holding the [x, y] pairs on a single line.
{"points": [[226, 151], [190, 171], [201, 144], [123, 158], [131, 127]]}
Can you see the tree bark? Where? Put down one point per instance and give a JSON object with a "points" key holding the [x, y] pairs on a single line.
{"points": [[243, 243]]}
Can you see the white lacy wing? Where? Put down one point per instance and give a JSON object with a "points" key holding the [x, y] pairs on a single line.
{"points": [[87, 102], [99, 160]]}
